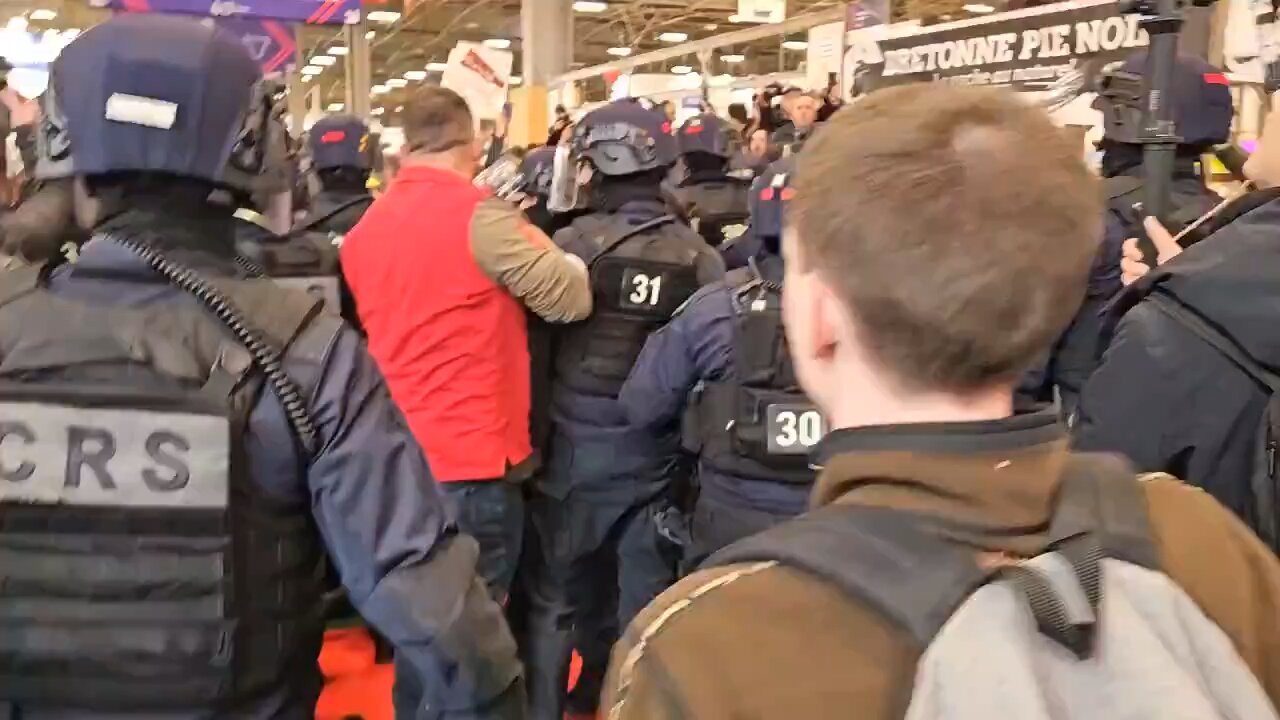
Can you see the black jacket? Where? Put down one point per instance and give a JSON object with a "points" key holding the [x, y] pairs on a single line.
{"points": [[1167, 399]]}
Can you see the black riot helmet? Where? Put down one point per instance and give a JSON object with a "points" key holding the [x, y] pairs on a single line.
{"points": [[1201, 101], [708, 134], [154, 93], [338, 141], [624, 138]]}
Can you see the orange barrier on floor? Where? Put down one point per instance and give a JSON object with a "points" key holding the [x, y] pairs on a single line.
{"points": [[355, 685]]}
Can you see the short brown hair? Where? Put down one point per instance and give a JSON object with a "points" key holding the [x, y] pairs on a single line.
{"points": [[958, 224], [437, 119]]}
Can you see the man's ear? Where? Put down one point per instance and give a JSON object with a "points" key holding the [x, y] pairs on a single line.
{"points": [[828, 316]]}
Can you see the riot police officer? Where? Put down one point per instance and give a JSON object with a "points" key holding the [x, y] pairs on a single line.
{"points": [[342, 159], [720, 363], [606, 481], [715, 201], [183, 444], [1202, 109]]}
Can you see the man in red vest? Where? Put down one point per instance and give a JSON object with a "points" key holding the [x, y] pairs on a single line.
{"points": [[442, 273]]}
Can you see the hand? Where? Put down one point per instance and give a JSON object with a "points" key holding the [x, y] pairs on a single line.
{"points": [[21, 110], [1133, 265]]}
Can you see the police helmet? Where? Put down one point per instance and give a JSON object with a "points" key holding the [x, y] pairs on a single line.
{"points": [[536, 170], [1200, 103], [769, 196], [340, 141], [155, 93], [705, 133], [623, 138]]}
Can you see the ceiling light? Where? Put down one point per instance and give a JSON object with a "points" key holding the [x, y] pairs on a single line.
{"points": [[312, 70], [437, 66], [516, 80], [306, 78], [795, 45], [336, 107], [736, 18], [17, 23], [673, 37], [399, 108], [590, 6], [416, 75], [385, 17], [396, 83], [732, 58], [710, 26], [338, 50], [377, 111], [43, 14], [498, 43], [379, 90], [681, 69], [371, 35], [324, 60], [979, 9], [619, 51]]}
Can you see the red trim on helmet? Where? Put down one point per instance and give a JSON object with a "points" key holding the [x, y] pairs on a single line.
{"points": [[1216, 79], [788, 193], [333, 136]]}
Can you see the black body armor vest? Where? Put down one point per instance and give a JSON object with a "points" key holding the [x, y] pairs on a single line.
{"points": [[141, 568], [718, 209], [759, 424], [639, 276]]}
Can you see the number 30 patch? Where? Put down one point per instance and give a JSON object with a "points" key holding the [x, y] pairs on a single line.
{"points": [[793, 429]]}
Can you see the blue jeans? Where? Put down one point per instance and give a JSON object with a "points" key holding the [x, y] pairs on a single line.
{"points": [[492, 512]]}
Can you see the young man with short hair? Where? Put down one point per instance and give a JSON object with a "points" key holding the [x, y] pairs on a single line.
{"points": [[941, 238]]}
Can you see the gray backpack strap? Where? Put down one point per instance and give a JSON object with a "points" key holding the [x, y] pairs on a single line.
{"points": [[896, 562], [906, 567], [1100, 495]]}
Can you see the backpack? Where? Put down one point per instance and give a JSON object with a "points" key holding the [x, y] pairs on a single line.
{"points": [[1263, 514], [1090, 629]]}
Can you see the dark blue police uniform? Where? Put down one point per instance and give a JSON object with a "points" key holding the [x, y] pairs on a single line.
{"points": [[221, 433], [701, 348], [606, 481]]}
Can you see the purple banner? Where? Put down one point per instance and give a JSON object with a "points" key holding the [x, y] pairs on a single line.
{"points": [[314, 12], [269, 42]]}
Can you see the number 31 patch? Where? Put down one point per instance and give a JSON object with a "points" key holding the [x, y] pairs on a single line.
{"points": [[793, 429], [641, 290]]}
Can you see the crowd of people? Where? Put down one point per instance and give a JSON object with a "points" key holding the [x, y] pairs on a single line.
{"points": [[899, 422]]}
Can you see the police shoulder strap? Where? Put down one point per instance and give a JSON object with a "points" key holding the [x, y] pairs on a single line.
{"points": [[312, 223], [279, 314], [621, 235], [1120, 185], [20, 281]]}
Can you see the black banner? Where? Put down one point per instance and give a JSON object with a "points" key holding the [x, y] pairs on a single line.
{"points": [[1026, 52]]}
